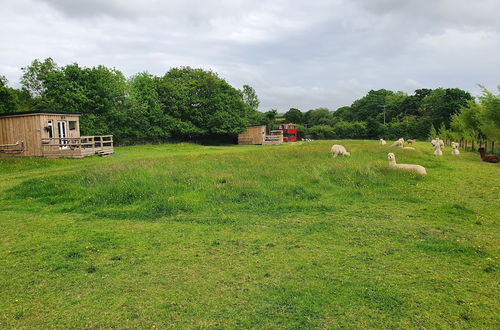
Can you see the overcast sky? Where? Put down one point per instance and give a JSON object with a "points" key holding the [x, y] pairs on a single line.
{"points": [[303, 54]]}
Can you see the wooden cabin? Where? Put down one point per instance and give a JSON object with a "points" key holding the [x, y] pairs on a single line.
{"points": [[257, 135], [51, 135]]}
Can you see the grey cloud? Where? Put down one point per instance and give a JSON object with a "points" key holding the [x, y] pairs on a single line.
{"points": [[294, 53]]}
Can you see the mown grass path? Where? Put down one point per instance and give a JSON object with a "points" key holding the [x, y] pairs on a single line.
{"points": [[186, 236]]}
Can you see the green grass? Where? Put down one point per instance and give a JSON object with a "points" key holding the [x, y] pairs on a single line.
{"points": [[186, 236]]}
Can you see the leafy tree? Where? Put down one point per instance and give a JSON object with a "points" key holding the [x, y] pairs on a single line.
{"points": [[373, 128], [441, 104], [205, 103], [393, 107], [294, 116], [343, 113], [370, 105], [250, 97], [8, 100], [412, 104], [432, 132], [489, 115], [270, 117], [319, 116]]}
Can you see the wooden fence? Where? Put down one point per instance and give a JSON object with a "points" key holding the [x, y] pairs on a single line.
{"points": [[473, 145], [78, 147], [15, 148]]}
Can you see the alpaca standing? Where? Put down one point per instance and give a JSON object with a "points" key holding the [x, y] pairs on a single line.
{"points": [[338, 149], [438, 151], [407, 167], [411, 141], [454, 147]]}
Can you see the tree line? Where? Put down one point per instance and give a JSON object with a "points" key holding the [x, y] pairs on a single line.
{"points": [[449, 113], [183, 104], [194, 104]]}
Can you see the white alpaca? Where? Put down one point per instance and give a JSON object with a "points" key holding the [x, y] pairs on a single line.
{"points": [[337, 149], [454, 146], [437, 141], [398, 143], [407, 167], [408, 148], [382, 142], [438, 151]]}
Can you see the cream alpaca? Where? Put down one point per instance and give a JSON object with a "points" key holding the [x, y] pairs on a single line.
{"points": [[454, 146], [438, 151], [398, 143], [437, 141], [382, 142], [407, 167], [337, 149]]}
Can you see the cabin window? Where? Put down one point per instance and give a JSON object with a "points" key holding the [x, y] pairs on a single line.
{"points": [[50, 129], [72, 125]]}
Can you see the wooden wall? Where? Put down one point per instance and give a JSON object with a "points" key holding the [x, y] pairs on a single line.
{"points": [[253, 135], [30, 128]]}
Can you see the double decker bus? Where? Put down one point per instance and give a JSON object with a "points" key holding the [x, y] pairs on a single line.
{"points": [[289, 132]]}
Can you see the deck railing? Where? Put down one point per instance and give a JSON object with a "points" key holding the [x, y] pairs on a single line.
{"points": [[84, 145], [15, 148]]}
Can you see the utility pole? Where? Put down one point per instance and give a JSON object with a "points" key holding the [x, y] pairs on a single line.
{"points": [[383, 107]]}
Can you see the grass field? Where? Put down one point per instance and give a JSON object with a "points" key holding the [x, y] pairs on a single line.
{"points": [[189, 236]]}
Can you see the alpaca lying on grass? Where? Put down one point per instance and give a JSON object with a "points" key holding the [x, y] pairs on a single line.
{"points": [[338, 149], [488, 158], [398, 143], [408, 148], [382, 142], [407, 167], [454, 147]]}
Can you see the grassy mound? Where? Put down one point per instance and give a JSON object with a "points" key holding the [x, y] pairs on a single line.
{"points": [[249, 236]]}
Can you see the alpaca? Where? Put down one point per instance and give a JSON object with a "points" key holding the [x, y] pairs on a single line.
{"points": [[408, 148], [407, 167], [436, 141], [454, 146], [337, 149], [398, 143], [382, 142], [411, 141], [438, 151], [488, 158]]}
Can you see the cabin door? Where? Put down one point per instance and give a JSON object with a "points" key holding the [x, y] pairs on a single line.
{"points": [[63, 134]]}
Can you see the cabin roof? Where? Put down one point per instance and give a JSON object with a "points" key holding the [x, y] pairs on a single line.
{"points": [[33, 113]]}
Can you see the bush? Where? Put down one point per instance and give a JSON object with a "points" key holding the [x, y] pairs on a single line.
{"points": [[321, 132]]}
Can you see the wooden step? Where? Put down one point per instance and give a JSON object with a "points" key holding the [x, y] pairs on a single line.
{"points": [[103, 153]]}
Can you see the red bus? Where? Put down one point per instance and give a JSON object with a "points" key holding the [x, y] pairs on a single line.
{"points": [[289, 132]]}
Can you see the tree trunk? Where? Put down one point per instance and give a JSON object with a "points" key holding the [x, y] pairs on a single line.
{"points": [[492, 147]]}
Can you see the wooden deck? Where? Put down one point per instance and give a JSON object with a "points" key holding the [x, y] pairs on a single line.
{"points": [[101, 145]]}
